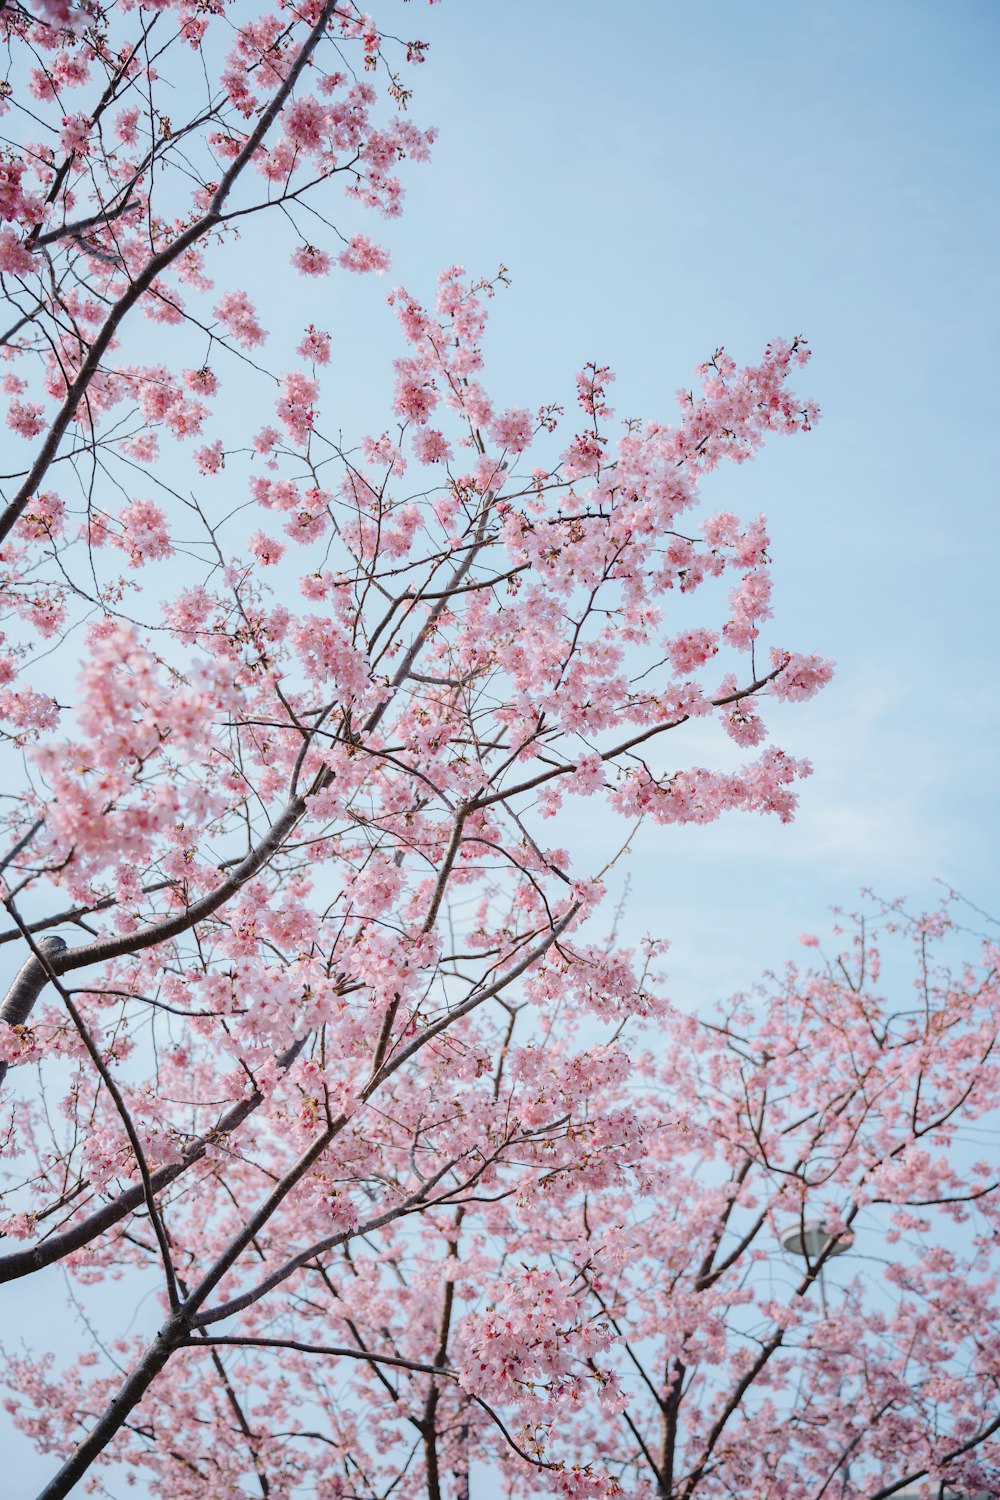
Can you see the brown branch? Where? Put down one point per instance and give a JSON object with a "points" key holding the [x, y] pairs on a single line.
{"points": [[155, 266], [966, 1447], [37, 1257], [30, 980], [333, 1351]]}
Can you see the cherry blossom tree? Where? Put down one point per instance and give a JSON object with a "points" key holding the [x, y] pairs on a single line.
{"points": [[621, 1317], [287, 719], [651, 1333]]}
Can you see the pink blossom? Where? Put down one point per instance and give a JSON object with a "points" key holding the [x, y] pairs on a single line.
{"points": [[45, 517], [144, 534], [126, 123], [750, 604], [210, 459], [295, 405], [311, 261], [589, 776], [315, 346], [799, 677], [25, 418], [513, 430], [15, 258], [383, 452], [306, 122], [431, 447], [237, 313], [203, 382], [692, 649], [416, 394], [362, 254], [265, 549], [75, 135], [144, 449]]}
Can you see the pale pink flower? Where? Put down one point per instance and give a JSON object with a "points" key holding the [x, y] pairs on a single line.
{"points": [[692, 649], [25, 418], [362, 254], [143, 533], [311, 261], [265, 549], [237, 313], [315, 346]]}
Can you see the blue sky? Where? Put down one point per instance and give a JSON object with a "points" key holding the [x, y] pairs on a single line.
{"points": [[672, 177], [666, 177]]}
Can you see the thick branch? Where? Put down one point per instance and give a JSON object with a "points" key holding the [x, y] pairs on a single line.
{"points": [[29, 982], [115, 1414], [966, 1447], [37, 1257]]}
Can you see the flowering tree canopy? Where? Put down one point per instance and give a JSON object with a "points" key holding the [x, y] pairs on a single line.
{"points": [[286, 719]]}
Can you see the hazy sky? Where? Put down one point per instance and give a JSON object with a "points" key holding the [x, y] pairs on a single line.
{"points": [[664, 177]]}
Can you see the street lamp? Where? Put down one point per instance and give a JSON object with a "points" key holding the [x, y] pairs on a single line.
{"points": [[811, 1238]]}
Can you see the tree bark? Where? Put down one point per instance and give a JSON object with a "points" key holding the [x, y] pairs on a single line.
{"points": [[31, 979]]}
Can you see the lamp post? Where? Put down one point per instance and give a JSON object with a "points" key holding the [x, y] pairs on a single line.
{"points": [[810, 1238]]}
